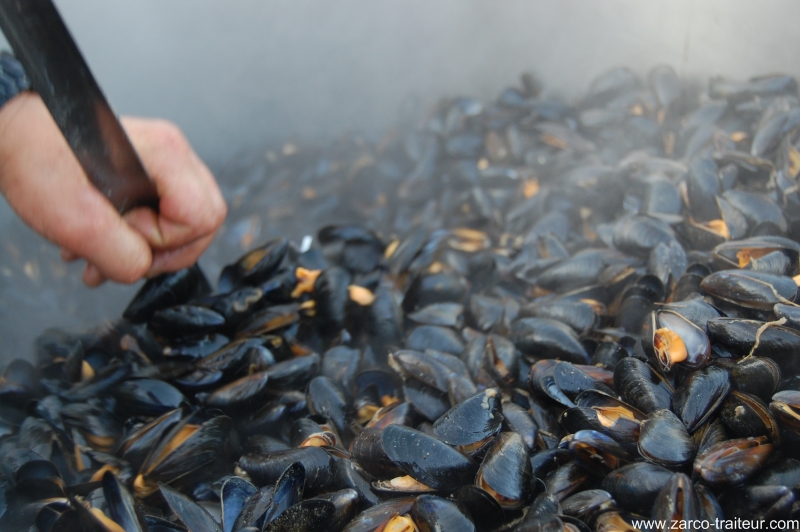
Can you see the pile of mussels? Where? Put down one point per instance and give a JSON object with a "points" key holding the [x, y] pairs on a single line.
{"points": [[547, 317]]}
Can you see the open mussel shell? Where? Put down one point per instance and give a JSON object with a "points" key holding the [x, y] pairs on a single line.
{"points": [[596, 451], [785, 406], [733, 461], [566, 480], [372, 518], [699, 396], [664, 440], [166, 290], [194, 516], [506, 471], [605, 414], [122, 507], [471, 425], [426, 459], [572, 379], [740, 253], [671, 339], [745, 415], [188, 447], [542, 382], [348, 475], [234, 495]]}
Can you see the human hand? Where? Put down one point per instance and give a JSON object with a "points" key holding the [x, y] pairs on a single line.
{"points": [[46, 186]]}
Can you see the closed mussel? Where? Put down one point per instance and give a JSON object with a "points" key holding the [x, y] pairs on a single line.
{"points": [[426, 459], [664, 440], [750, 289], [471, 425], [506, 471], [733, 461], [699, 396]]}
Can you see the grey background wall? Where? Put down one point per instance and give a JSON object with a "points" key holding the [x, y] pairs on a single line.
{"points": [[239, 74]]}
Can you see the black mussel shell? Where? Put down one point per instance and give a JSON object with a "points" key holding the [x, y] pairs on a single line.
{"points": [[699, 396], [596, 451], [288, 491], [640, 386], [233, 496], [470, 425], [185, 321], [309, 515], [739, 253], [367, 450], [759, 376], [732, 462], [326, 398], [430, 512], [757, 502], [745, 415], [345, 502], [677, 501], [506, 471], [781, 472], [572, 379], [347, 474], [520, 421], [148, 397], [750, 289], [486, 512], [785, 406], [739, 337], [566, 480], [664, 440], [636, 486], [545, 338], [586, 505], [266, 469], [372, 518], [426, 459], [192, 514], [242, 393], [166, 290]]}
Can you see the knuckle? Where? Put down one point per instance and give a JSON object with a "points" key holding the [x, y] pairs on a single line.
{"points": [[170, 136]]}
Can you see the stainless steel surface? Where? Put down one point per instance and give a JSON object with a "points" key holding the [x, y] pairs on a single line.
{"points": [[62, 78], [239, 75]]}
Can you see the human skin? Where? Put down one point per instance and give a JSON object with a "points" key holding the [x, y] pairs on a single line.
{"points": [[46, 186]]}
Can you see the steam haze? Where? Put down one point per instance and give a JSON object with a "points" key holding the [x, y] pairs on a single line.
{"points": [[239, 75]]}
